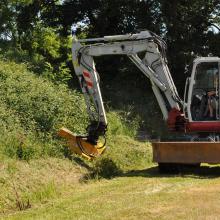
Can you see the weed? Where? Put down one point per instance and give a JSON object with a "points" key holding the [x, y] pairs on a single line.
{"points": [[120, 124], [20, 203], [47, 191], [105, 168]]}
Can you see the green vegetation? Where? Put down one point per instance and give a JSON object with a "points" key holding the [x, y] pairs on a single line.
{"points": [[33, 167], [32, 110], [134, 194], [39, 179], [39, 34], [29, 184]]}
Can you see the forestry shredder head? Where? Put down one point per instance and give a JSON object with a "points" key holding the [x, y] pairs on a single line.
{"points": [[82, 145]]}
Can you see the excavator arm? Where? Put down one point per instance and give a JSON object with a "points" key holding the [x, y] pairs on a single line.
{"points": [[153, 65]]}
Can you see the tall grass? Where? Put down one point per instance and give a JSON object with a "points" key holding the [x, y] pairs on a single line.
{"points": [[32, 109]]}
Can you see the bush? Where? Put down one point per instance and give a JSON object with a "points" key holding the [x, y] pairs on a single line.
{"points": [[122, 155], [32, 110], [39, 104], [120, 124], [105, 168]]}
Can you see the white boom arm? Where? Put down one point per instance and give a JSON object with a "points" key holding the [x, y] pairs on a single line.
{"points": [[153, 65]]}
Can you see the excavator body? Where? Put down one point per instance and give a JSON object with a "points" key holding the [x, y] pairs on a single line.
{"points": [[197, 115]]}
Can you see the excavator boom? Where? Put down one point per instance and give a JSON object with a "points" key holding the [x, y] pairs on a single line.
{"points": [[198, 114], [153, 65]]}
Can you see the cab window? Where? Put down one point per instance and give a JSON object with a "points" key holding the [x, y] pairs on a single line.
{"points": [[206, 76], [205, 102]]}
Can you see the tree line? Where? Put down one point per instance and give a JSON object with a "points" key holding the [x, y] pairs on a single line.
{"points": [[41, 29]]}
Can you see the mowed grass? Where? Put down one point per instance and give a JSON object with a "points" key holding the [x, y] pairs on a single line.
{"points": [[60, 188], [142, 194], [40, 180], [25, 185]]}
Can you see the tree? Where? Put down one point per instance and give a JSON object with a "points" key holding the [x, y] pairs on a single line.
{"points": [[186, 25], [9, 10], [103, 17]]}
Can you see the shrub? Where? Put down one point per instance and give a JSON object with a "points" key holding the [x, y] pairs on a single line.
{"points": [[32, 110], [120, 124], [105, 168]]}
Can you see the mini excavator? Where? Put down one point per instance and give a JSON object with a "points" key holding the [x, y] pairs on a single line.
{"points": [[197, 114]]}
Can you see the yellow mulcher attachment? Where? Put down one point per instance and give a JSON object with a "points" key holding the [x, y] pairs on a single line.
{"points": [[81, 146]]}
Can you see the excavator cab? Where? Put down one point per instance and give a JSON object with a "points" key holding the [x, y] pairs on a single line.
{"points": [[203, 90]]}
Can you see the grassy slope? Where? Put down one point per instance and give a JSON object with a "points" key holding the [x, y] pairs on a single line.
{"points": [[36, 177], [40, 182], [136, 195], [33, 167]]}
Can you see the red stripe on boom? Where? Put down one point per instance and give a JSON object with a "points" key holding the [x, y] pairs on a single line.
{"points": [[86, 74], [89, 84]]}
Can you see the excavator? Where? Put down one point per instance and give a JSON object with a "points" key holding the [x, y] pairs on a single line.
{"points": [[198, 114]]}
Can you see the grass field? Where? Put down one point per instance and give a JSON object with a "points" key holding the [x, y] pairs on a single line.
{"points": [[135, 195], [39, 179], [59, 189]]}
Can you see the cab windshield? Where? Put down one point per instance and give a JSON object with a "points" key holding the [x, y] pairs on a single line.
{"points": [[206, 76], [205, 101]]}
